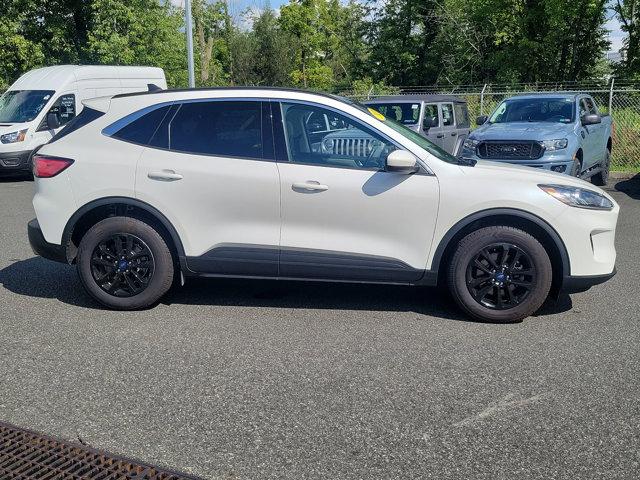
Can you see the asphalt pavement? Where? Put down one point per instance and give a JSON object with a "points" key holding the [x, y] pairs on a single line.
{"points": [[265, 380]]}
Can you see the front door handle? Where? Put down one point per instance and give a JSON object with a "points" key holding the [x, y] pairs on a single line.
{"points": [[310, 186], [453, 134], [440, 135], [165, 176]]}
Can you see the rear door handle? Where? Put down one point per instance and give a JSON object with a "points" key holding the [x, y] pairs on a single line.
{"points": [[310, 186], [440, 135], [453, 134], [165, 176]]}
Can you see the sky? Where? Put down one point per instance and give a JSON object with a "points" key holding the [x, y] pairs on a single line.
{"points": [[237, 7]]}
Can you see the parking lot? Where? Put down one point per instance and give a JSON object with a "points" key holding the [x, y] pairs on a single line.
{"points": [[253, 379]]}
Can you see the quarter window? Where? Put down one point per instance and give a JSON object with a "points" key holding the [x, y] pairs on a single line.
{"points": [[141, 130], [462, 115], [346, 144]]}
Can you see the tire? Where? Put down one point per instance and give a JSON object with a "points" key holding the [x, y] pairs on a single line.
{"points": [[576, 168], [512, 294], [136, 282], [601, 178]]}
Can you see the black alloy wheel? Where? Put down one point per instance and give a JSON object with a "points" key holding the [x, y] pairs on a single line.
{"points": [[500, 276], [122, 265]]}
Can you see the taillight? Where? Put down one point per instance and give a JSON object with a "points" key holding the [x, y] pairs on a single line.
{"points": [[47, 167]]}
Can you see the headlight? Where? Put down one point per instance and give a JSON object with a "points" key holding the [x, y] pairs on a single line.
{"points": [[13, 137], [558, 144], [471, 143], [578, 197]]}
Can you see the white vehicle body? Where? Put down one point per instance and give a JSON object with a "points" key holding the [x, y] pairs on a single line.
{"points": [[63, 89], [276, 218]]}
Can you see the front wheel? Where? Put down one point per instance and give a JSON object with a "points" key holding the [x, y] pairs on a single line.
{"points": [[124, 263], [500, 274], [602, 177]]}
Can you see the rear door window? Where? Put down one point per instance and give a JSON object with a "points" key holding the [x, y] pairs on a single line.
{"points": [[447, 114], [223, 128]]}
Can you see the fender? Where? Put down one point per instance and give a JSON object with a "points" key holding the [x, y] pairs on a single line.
{"points": [[69, 227], [492, 212]]}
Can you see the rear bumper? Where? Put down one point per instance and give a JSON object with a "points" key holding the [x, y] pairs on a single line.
{"points": [[43, 248], [576, 284], [15, 161]]}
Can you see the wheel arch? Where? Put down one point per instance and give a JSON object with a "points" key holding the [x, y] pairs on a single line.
{"points": [[91, 213], [530, 223]]}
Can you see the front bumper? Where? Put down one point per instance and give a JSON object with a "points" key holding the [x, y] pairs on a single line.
{"points": [[556, 163], [43, 248], [15, 161]]}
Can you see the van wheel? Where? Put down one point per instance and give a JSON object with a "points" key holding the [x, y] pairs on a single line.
{"points": [[602, 177], [500, 274], [125, 264]]}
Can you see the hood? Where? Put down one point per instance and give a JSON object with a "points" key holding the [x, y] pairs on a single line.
{"points": [[535, 175], [522, 131]]}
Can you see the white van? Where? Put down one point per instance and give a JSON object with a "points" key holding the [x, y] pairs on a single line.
{"points": [[44, 100]]}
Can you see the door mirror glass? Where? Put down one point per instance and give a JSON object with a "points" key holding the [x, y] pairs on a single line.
{"points": [[481, 119], [53, 121], [401, 161], [591, 119]]}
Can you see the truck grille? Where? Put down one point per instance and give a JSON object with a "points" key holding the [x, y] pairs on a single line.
{"points": [[527, 150], [351, 147]]}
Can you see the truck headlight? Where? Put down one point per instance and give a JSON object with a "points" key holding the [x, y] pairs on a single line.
{"points": [[557, 144], [471, 143], [13, 137], [578, 197]]}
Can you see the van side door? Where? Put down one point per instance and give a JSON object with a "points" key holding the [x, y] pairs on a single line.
{"points": [[431, 124]]}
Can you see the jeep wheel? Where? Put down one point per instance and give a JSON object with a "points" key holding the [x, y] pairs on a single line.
{"points": [[124, 263], [500, 274]]}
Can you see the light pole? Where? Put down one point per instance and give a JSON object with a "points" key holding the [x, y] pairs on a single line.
{"points": [[189, 25]]}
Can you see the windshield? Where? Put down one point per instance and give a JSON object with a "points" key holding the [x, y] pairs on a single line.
{"points": [[21, 106], [404, 113], [558, 110]]}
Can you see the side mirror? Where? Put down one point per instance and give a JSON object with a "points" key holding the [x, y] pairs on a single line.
{"points": [[481, 119], [53, 121], [430, 122], [591, 119], [401, 161]]}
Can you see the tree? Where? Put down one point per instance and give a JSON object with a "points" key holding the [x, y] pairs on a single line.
{"points": [[628, 13]]}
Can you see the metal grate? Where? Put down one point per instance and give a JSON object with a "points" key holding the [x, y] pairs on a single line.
{"points": [[509, 150], [26, 455], [352, 147]]}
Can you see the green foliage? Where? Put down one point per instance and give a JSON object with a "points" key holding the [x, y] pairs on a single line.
{"points": [[324, 44]]}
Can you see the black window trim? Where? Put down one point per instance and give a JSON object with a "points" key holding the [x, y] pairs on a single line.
{"points": [[111, 129], [282, 141]]}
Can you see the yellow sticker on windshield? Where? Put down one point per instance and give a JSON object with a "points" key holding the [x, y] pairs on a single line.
{"points": [[376, 114]]}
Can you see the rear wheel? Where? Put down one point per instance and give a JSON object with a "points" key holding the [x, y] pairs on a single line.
{"points": [[500, 274], [602, 177], [124, 263]]}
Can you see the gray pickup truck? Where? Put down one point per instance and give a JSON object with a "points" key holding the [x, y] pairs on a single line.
{"points": [[443, 119], [562, 132]]}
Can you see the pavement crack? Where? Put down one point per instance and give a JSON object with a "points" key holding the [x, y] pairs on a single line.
{"points": [[508, 402]]}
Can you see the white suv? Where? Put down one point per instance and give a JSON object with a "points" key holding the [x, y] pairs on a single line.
{"points": [[143, 189]]}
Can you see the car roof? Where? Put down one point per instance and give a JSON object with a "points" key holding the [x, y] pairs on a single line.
{"points": [[232, 89], [547, 95], [416, 98]]}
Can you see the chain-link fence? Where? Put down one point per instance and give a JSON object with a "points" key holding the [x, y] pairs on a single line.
{"points": [[619, 98]]}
